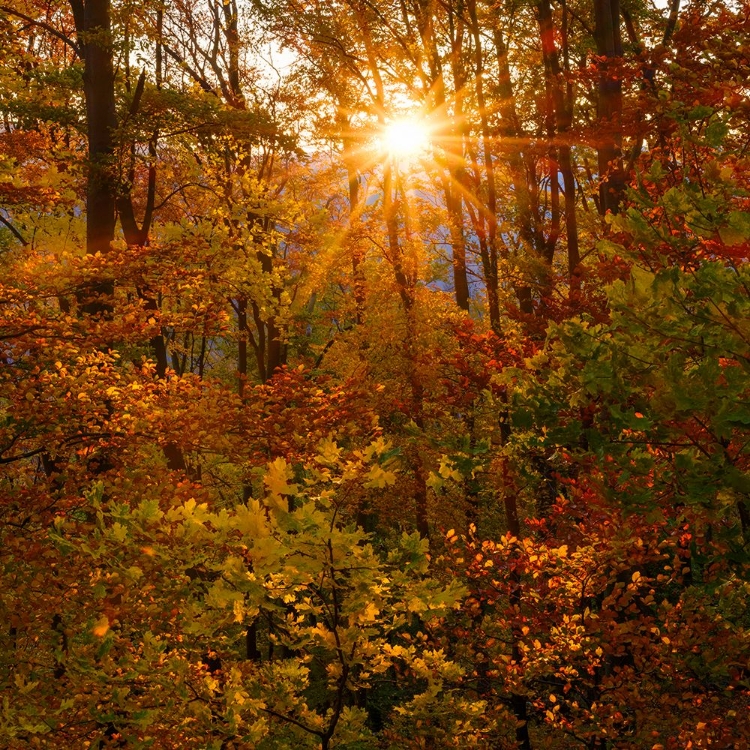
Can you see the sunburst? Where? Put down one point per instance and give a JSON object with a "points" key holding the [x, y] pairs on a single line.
{"points": [[405, 137]]}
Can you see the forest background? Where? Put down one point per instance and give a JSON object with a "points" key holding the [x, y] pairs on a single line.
{"points": [[317, 434]]}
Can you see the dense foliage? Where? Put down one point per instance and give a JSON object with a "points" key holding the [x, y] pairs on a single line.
{"points": [[312, 439]]}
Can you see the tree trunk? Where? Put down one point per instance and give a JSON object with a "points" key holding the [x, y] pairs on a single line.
{"points": [[609, 106], [490, 254], [455, 163], [519, 163], [561, 116], [358, 279], [94, 31]]}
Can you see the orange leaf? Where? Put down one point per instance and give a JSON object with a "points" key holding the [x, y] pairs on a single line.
{"points": [[101, 627]]}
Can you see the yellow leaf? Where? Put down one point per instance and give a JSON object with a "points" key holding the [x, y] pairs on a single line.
{"points": [[119, 532], [250, 519], [434, 482], [369, 614], [375, 448], [101, 627], [448, 470], [22, 685], [328, 452], [276, 479], [377, 477]]}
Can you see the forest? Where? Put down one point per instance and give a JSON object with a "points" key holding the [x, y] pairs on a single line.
{"points": [[375, 374]]}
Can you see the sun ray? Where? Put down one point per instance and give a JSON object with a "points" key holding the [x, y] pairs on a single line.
{"points": [[407, 137]]}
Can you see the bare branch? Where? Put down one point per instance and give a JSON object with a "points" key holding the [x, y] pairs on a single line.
{"points": [[194, 74]]}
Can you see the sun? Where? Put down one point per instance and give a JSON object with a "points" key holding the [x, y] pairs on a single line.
{"points": [[405, 137]]}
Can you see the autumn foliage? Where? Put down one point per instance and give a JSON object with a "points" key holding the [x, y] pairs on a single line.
{"points": [[310, 440]]}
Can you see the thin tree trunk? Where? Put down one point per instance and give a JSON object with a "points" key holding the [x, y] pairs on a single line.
{"points": [[490, 256], [562, 106], [453, 147], [515, 152], [358, 279]]}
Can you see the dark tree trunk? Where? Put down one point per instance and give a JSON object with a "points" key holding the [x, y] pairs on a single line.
{"points": [[453, 148], [94, 31], [609, 106]]}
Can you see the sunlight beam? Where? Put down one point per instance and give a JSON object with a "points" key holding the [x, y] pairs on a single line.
{"points": [[406, 137]]}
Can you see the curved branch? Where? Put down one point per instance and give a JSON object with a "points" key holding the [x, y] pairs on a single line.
{"points": [[43, 25], [181, 189], [21, 456], [291, 720], [194, 74], [14, 231]]}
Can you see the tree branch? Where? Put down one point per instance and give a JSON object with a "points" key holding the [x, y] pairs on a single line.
{"points": [[194, 74], [14, 231], [296, 723], [674, 10], [43, 25], [21, 456]]}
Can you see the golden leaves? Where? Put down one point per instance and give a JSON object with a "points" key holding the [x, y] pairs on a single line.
{"points": [[377, 478], [277, 479]]}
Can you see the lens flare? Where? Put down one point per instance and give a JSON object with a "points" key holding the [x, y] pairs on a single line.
{"points": [[405, 138]]}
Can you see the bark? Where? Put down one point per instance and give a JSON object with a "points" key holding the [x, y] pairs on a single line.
{"points": [[449, 138], [242, 346], [744, 514], [566, 163], [358, 275], [490, 252], [358, 279], [232, 37], [456, 161], [609, 106], [252, 652], [94, 31], [561, 105], [520, 165], [518, 701]]}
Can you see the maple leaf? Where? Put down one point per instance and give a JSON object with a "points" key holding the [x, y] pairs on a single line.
{"points": [[277, 478], [377, 477]]}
